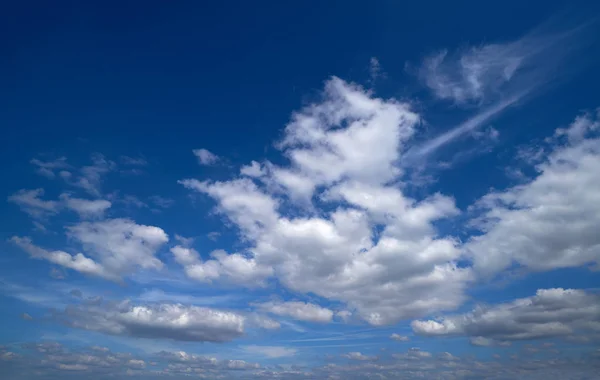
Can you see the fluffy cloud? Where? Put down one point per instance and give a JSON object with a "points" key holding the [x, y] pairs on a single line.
{"points": [[370, 246], [115, 247], [155, 321], [205, 157], [552, 221], [120, 244], [233, 267], [550, 313], [77, 262], [299, 310], [86, 208]]}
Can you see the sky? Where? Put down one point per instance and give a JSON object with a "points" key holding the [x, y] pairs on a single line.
{"points": [[306, 190]]}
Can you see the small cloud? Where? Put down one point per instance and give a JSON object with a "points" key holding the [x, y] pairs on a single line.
{"points": [[270, 351], [57, 274], [399, 338], [214, 236], [205, 157], [375, 71], [134, 161], [161, 202]]}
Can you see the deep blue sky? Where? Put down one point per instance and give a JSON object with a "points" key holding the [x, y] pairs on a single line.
{"points": [[103, 83]]}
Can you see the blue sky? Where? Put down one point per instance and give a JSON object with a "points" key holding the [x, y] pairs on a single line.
{"points": [[321, 190]]}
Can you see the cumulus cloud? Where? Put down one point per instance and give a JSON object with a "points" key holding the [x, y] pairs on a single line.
{"points": [[205, 157], [115, 247], [234, 267], [154, 321], [78, 262], [551, 221], [371, 246], [84, 207], [550, 313], [301, 311]]}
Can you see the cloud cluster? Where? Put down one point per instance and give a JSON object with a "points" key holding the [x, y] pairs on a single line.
{"points": [[552, 220], [550, 313], [375, 248]]}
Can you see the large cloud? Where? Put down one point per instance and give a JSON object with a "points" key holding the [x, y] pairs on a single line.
{"points": [[155, 321], [552, 221], [550, 313], [356, 236]]}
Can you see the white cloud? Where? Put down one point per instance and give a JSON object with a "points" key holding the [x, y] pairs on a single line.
{"points": [[84, 207], [359, 356], [552, 220], [205, 157], [270, 351], [399, 338], [77, 262], [255, 170], [299, 310], [367, 244], [550, 313], [155, 321], [30, 202], [120, 244], [115, 247], [230, 267]]}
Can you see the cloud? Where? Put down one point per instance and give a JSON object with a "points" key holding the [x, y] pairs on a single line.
{"points": [[550, 313], [134, 161], [301, 311], [270, 351], [359, 356], [30, 202], [120, 244], [154, 321], [367, 244], [78, 262], [26, 317], [229, 267], [205, 157], [482, 73], [550, 221], [161, 201], [399, 338], [90, 177], [48, 168], [255, 170], [496, 77], [116, 247], [84, 207]]}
